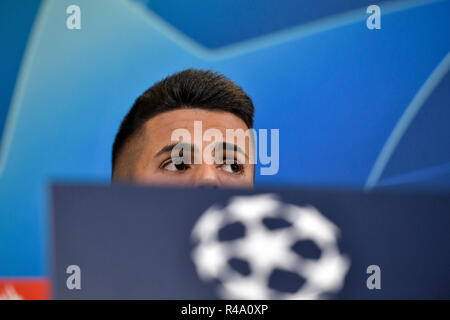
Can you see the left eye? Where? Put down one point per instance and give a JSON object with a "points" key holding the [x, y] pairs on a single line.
{"points": [[233, 168]]}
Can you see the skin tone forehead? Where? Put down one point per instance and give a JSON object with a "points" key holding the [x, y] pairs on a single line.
{"points": [[157, 132], [165, 123]]}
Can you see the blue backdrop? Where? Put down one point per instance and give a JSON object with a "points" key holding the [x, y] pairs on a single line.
{"points": [[356, 108]]}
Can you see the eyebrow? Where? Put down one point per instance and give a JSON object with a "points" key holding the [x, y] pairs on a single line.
{"points": [[232, 146], [225, 146], [169, 148]]}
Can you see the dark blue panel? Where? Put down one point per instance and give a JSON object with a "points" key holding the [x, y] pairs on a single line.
{"points": [[133, 242]]}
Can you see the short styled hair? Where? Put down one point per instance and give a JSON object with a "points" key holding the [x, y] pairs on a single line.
{"points": [[191, 88]]}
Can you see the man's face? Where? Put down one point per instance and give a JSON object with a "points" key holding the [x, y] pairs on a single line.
{"points": [[148, 157]]}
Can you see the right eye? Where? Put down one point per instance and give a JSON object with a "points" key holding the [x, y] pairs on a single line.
{"points": [[170, 166]]}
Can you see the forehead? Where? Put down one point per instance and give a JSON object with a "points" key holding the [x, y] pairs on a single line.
{"points": [[165, 123]]}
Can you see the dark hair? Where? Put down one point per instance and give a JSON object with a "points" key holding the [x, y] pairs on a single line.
{"points": [[190, 88]]}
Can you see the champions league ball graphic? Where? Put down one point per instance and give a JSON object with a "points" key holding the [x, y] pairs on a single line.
{"points": [[260, 248]]}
